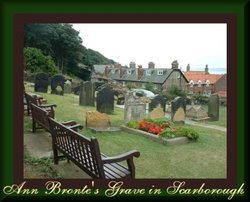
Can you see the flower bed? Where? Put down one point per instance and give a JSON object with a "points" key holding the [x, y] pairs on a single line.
{"points": [[161, 130]]}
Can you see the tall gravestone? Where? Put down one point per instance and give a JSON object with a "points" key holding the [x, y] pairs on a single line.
{"points": [[57, 85], [178, 110], [105, 100], [41, 82], [158, 99], [87, 94], [213, 107], [67, 87], [135, 108]]}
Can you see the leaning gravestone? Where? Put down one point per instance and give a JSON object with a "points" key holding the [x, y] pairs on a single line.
{"points": [[67, 87], [57, 84], [41, 82], [178, 110], [159, 99], [86, 94], [157, 113], [213, 107], [105, 100], [135, 108]]}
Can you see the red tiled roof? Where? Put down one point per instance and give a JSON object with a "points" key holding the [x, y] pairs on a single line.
{"points": [[222, 93], [200, 75]]}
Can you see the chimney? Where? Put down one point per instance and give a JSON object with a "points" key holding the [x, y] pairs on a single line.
{"points": [[175, 64], [151, 65], [206, 70], [117, 65], [140, 72], [106, 71], [188, 68], [132, 65], [122, 71]]}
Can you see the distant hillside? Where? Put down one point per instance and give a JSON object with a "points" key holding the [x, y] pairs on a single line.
{"points": [[94, 57]]}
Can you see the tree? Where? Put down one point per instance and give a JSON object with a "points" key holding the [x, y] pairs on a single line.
{"points": [[36, 61], [174, 91]]}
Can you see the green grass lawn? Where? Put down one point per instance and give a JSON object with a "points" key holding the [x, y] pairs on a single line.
{"points": [[205, 158], [222, 116]]}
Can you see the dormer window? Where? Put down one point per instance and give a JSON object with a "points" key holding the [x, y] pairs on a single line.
{"points": [[148, 72], [207, 83], [199, 83], [191, 83], [128, 71], [160, 72]]}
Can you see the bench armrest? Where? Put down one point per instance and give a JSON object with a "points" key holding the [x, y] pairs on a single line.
{"points": [[48, 105], [122, 157], [75, 127]]}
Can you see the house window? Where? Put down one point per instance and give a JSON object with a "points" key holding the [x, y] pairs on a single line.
{"points": [[160, 72], [113, 71], [207, 83], [128, 71], [191, 83], [123, 83], [148, 72], [199, 83]]}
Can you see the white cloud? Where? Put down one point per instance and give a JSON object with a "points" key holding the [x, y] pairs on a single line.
{"points": [[194, 44]]}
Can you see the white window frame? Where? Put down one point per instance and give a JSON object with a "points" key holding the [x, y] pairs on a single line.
{"points": [[199, 82], [207, 83], [148, 72], [160, 72], [129, 71], [191, 83]]}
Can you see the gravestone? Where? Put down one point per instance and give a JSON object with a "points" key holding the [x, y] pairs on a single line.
{"points": [[157, 113], [105, 100], [178, 110], [67, 87], [159, 99], [57, 85], [213, 107], [97, 120], [135, 108], [196, 112], [86, 94], [41, 82]]}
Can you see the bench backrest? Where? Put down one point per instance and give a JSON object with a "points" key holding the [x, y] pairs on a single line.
{"points": [[32, 99], [83, 151], [40, 116]]}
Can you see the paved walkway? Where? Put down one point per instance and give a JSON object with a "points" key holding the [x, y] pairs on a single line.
{"points": [[205, 125], [39, 145]]}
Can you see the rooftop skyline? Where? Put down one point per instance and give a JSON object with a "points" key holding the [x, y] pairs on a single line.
{"points": [[195, 44]]}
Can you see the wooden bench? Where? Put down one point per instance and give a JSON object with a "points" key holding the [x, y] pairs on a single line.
{"points": [[40, 120], [85, 153], [38, 101]]}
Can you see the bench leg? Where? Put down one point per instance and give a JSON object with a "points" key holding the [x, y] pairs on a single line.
{"points": [[55, 152], [33, 126]]}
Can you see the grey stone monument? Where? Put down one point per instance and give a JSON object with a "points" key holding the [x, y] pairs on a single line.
{"points": [[135, 108], [86, 94], [41, 82], [213, 107], [67, 87], [105, 100]]}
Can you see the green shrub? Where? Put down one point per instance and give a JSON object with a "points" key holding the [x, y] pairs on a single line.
{"points": [[187, 132], [133, 124]]}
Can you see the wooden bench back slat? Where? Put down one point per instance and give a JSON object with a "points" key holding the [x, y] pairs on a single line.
{"points": [[40, 116], [71, 143]]}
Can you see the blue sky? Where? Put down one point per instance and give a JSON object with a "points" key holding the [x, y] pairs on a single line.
{"points": [[194, 44]]}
